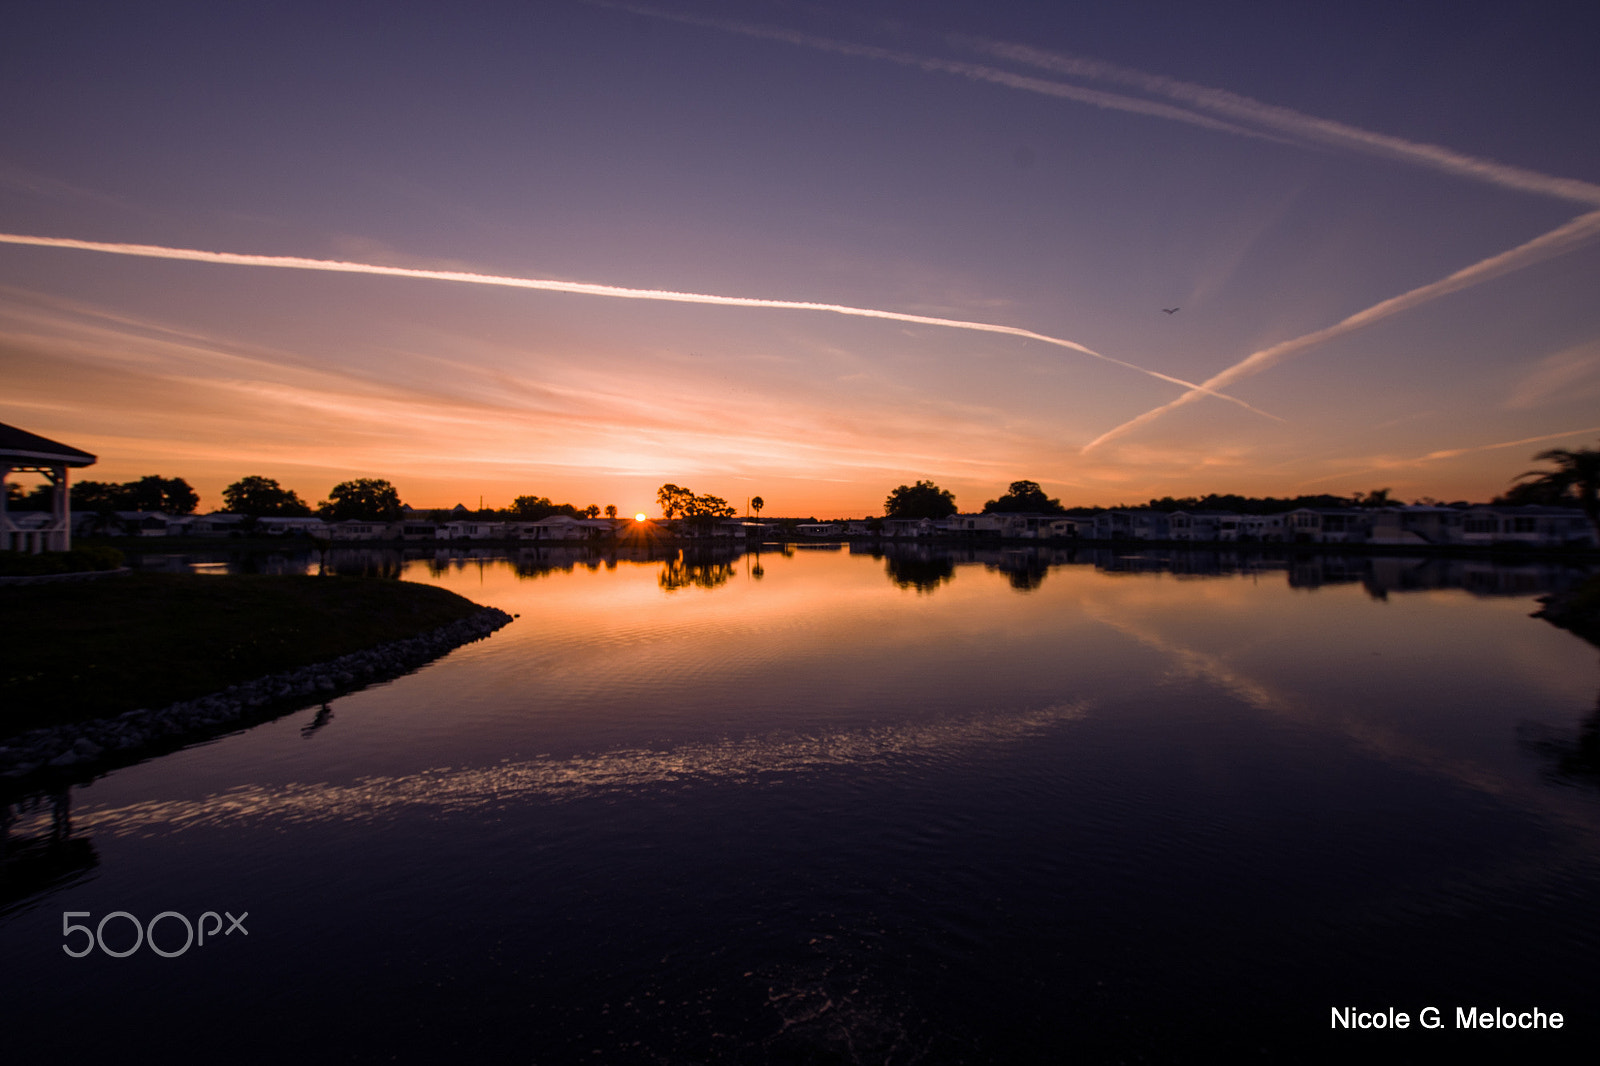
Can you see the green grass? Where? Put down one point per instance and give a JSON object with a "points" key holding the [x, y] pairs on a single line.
{"points": [[76, 650]]}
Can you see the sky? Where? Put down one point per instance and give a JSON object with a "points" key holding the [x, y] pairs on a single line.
{"points": [[806, 251]]}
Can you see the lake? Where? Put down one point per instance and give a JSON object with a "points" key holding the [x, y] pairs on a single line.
{"points": [[822, 804]]}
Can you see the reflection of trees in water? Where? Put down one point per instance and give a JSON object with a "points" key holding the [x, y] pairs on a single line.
{"points": [[366, 562], [1574, 761], [33, 865], [535, 562], [923, 571], [1383, 574], [1025, 570], [926, 566], [697, 571]]}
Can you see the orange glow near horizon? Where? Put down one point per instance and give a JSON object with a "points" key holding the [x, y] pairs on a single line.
{"points": [[830, 447]]}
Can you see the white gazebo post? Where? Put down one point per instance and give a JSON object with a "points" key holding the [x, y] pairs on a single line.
{"points": [[30, 453]]}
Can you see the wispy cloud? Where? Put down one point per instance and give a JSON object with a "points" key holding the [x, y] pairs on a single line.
{"points": [[586, 289], [505, 416], [1572, 373], [16, 179], [1558, 241], [1451, 453], [1380, 465]]}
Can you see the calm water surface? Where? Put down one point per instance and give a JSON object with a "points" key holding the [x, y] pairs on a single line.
{"points": [[824, 806]]}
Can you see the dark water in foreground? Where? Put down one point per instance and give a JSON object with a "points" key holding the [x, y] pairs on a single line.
{"points": [[823, 807]]}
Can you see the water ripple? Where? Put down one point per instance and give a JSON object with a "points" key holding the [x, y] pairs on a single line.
{"points": [[452, 791]]}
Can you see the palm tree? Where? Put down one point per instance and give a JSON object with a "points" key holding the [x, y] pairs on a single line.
{"points": [[1577, 473], [756, 503]]}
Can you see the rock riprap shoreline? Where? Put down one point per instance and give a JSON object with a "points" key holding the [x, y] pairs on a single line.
{"points": [[79, 749]]}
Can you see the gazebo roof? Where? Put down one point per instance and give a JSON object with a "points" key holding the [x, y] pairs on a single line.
{"points": [[21, 448]]}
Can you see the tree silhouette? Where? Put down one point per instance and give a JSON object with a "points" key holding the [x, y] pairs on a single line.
{"points": [[365, 499], [169, 495], [708, 507], [673, 500], [756, 503], [611, 510], [1024, 497], [922, 500], [263, 497], [41, 498], [1375, 498], [533, 508], [679, 502], [1577, 473]]}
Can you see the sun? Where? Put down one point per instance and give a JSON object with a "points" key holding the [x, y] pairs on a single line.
{"points": [[639, 517]]}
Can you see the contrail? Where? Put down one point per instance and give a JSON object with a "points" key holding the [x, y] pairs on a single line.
{"points": [[1293, 125], [1558, 241], [1283, 120], [1298, 125], [974, 71], [154, 251]]}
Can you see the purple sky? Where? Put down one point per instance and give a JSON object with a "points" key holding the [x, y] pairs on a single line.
{"points": [[1299, 181]]}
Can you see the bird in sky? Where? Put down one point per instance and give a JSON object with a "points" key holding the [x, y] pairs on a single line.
{"points": [[1170, 310]]}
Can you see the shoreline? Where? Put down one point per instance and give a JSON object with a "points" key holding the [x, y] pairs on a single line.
{"points": [[156, 546], [1577, 611], [74, 752]]}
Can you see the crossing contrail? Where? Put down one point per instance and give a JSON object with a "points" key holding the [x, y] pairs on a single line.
{"points": [[1556, 242], [155, 251], [1246, 117]]}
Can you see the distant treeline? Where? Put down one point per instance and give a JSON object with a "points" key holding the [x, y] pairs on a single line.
{"points": [[363, 499], [169, 495], [1574, 481], [927, 500]]}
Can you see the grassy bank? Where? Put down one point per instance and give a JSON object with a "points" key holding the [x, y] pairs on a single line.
{"points": [[78, 560], [1578, 610], [76, 651]]}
